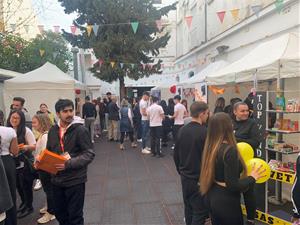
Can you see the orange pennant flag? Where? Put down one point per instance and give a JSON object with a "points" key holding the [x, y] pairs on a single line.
{"points": [[235, 13], [89, 29], [237, 89], [216, 90], [112, 63]]}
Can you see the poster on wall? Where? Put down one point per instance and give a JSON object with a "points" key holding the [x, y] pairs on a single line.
{"points": [[200, 92]]}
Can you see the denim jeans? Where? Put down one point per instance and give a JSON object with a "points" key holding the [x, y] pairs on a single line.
{"points": [[145, 132]]}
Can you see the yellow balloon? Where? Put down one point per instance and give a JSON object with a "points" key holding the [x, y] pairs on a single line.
{"points": [[258, 162], [246, 151]]}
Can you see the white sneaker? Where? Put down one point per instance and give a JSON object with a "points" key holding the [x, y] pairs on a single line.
{"points": [[47, 217], [43, 210], [38, 185], [145, 151], [139, 140], [149, 149]]}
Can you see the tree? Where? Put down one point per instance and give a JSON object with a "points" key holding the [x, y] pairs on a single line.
{"points": [[23, 56], [115, 40]]}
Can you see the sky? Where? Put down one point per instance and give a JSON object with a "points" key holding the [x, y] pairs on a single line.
{"points": [[50, 13]]}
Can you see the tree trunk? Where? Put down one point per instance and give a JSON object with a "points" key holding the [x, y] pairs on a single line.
{"points": [[122, 89]]}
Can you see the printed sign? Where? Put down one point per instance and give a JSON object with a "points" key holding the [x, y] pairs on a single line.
{"points": [[282, 176]]}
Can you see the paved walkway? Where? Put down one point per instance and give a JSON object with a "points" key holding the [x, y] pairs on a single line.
{"points": [[127, 187]]}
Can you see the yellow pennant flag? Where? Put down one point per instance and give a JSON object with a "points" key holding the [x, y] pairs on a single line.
{"points": [[89, 29], [112, 63], [42, 52], [235, 13]]}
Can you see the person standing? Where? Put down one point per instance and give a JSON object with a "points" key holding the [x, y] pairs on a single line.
{"points": [[18, 104], [89, 114], [70, 139], [296, 193], [26, 174], [187, 157], [179, 114], [126, 124], [113, 117], [42, 123], [102, 110], [137, 120], [8, 148], [44, 109], [246, 130], [6, 202], [156, 115], [221, 181], [144, 105], [219, 105]]}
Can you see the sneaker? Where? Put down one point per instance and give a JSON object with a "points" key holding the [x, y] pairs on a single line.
{"points": [[133, 145], [145, 151], [121, 147], [43, 210], [139, 140], [149, 149], [173, 147], [38, 185], [47, 217]]}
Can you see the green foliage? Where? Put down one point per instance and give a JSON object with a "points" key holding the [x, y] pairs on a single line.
{"points": [[23, 56], [116, 40]]}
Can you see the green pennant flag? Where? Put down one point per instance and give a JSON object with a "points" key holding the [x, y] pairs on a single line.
{"points": [[134, 26], [279, 5]]}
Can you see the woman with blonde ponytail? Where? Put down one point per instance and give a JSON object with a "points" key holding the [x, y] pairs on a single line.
{"points": [[223, 173]]}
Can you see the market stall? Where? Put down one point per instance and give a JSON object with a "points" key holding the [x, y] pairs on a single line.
{"points": [[46, 84]]}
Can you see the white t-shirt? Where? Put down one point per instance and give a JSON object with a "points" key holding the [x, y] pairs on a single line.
{"points": [[154, 112], [144, 105], [41, 144], [7, 134], [29, 137], [179, 119]]}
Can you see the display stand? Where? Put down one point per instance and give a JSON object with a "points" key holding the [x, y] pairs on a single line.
{"points": [[279, 176]]}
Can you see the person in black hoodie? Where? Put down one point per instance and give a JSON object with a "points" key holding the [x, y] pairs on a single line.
{"points": [[187, 157], [72, 140], [246, 130]]}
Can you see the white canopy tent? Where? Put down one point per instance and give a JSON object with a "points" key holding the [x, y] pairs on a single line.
{"points": [[200, 76], [46, 84], [279, 57]]}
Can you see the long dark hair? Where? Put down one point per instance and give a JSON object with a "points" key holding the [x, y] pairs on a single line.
{"points": [[219, 130], [21, 130]]}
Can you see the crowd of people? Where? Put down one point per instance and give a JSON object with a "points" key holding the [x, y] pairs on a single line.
{"points": [[213, 174]]}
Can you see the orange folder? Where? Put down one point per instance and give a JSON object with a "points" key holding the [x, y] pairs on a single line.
{"points": [[48, 160]]}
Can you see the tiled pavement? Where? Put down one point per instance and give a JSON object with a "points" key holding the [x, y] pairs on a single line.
{"points": [[127, 187]]}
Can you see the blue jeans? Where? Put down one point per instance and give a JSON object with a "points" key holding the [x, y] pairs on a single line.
{"points": [[145, 132]]}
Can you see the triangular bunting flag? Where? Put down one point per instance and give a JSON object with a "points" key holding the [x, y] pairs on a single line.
{"points": [[112, 63], [235, 13], [279, 5], [100, 62], [188, 20], [41, 28], [73, 29], [54, 54], [256, 9], [95, 28], [13, 27], [144, 66], [132, 65], [221, 15], [89, 29], [134, 26], [159, 24], [121, 65], [237, 89], [42, 52], [26, 27], [56, 29], [1, 27]]}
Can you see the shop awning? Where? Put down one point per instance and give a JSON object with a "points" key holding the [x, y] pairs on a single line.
{"points": [[277, 57]]}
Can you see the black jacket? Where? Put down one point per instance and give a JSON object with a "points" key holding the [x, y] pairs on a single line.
{"points": [[89, 110], [247, 131], [77, 143], [188, 150], [113, 111]]}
